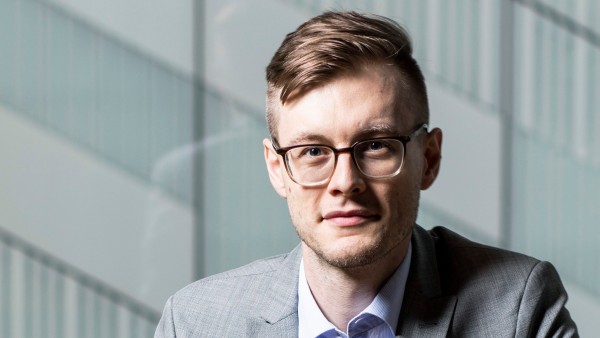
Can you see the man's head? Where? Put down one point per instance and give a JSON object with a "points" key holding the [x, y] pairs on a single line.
{"points": [[346, 80], [337, 43]]}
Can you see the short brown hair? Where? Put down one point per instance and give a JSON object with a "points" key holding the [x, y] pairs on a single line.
{"points": [[335, 43]]}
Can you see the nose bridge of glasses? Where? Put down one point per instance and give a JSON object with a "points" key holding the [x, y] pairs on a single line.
{"points": [[352, 158], [338, 151]]}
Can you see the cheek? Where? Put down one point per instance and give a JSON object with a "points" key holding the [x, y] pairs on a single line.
{"points": [[403, 198], [303, 206]]}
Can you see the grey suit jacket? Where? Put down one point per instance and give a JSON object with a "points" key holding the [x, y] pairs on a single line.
{"points": [[455, 288]]}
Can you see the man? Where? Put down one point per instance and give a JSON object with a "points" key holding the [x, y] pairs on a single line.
{"points": [[350, 150]]}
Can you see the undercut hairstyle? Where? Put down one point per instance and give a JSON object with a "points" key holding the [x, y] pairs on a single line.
{"points": [[337, 43]]}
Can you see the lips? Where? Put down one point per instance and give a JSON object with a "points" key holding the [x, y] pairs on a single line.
{"points": [[350, 217]]}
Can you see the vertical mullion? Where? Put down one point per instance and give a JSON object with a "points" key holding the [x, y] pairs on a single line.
{"points": [[538, 73], [443, 50], [150, 327], [6, 291], [422, 29], [113, 322], [82, 311], [476, 48], [44, 297], [506, 109], [199, 122], [59, 304], [28, 293], [18, 50], [459, 49], [97, 314], [133, 325]]}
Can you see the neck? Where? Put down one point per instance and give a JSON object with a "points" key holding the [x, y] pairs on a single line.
{"points": [[354, 289]]}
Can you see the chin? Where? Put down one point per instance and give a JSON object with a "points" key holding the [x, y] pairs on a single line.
{"points": [[352, 255], [349, 262]]}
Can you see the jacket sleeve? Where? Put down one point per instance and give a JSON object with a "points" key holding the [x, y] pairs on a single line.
{"points": [[542, 311], [166, 326]]}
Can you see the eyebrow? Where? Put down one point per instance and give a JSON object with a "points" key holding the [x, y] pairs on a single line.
{"points": [[376, 131], [370, 132]]}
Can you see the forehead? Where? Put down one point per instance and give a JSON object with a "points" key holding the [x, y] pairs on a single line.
{"points": [[368, 101]]}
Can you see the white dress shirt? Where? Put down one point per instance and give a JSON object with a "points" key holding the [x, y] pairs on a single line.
{"points": [[379, 319]]}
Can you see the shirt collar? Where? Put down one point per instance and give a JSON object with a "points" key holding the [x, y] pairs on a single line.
{"points": [[386, 304], [311, 321]]}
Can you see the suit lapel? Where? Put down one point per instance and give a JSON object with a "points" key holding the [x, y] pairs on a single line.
{"points": [[278, 316], [426, 311]]}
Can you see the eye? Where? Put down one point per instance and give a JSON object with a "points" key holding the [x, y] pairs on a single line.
{"points": [[311, 155], [375, 145], [378, 149], [314, 151]]}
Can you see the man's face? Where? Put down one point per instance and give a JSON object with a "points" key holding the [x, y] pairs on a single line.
{"points": [[352, 220]]}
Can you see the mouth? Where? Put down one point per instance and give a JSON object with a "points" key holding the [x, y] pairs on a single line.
{"points": [[350, 217]]}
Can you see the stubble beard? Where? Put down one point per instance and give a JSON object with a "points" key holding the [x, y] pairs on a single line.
{"points": [[370, 253]]}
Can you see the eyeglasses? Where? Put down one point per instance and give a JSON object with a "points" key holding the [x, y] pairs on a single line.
{"points": [[312, 165]]}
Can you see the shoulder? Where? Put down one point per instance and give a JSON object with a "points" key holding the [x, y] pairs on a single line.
{"points": [[232, 302], [233, 286], [500, 286], [469, 258], [469, 268]]}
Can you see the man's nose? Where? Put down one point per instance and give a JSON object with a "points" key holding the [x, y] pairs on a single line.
{"points": [[346, 178]]}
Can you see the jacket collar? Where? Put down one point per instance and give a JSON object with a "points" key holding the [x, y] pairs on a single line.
{"points": [[426, 311], [278, 315]]}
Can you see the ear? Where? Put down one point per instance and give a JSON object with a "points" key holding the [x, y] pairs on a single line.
{"points": [[432, 156], [275, 168]]}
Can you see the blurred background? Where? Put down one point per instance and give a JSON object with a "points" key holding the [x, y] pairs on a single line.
{"points": [[131, 160]]}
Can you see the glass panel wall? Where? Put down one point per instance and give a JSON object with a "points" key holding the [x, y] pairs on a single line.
{"points": [[129, 171]]}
